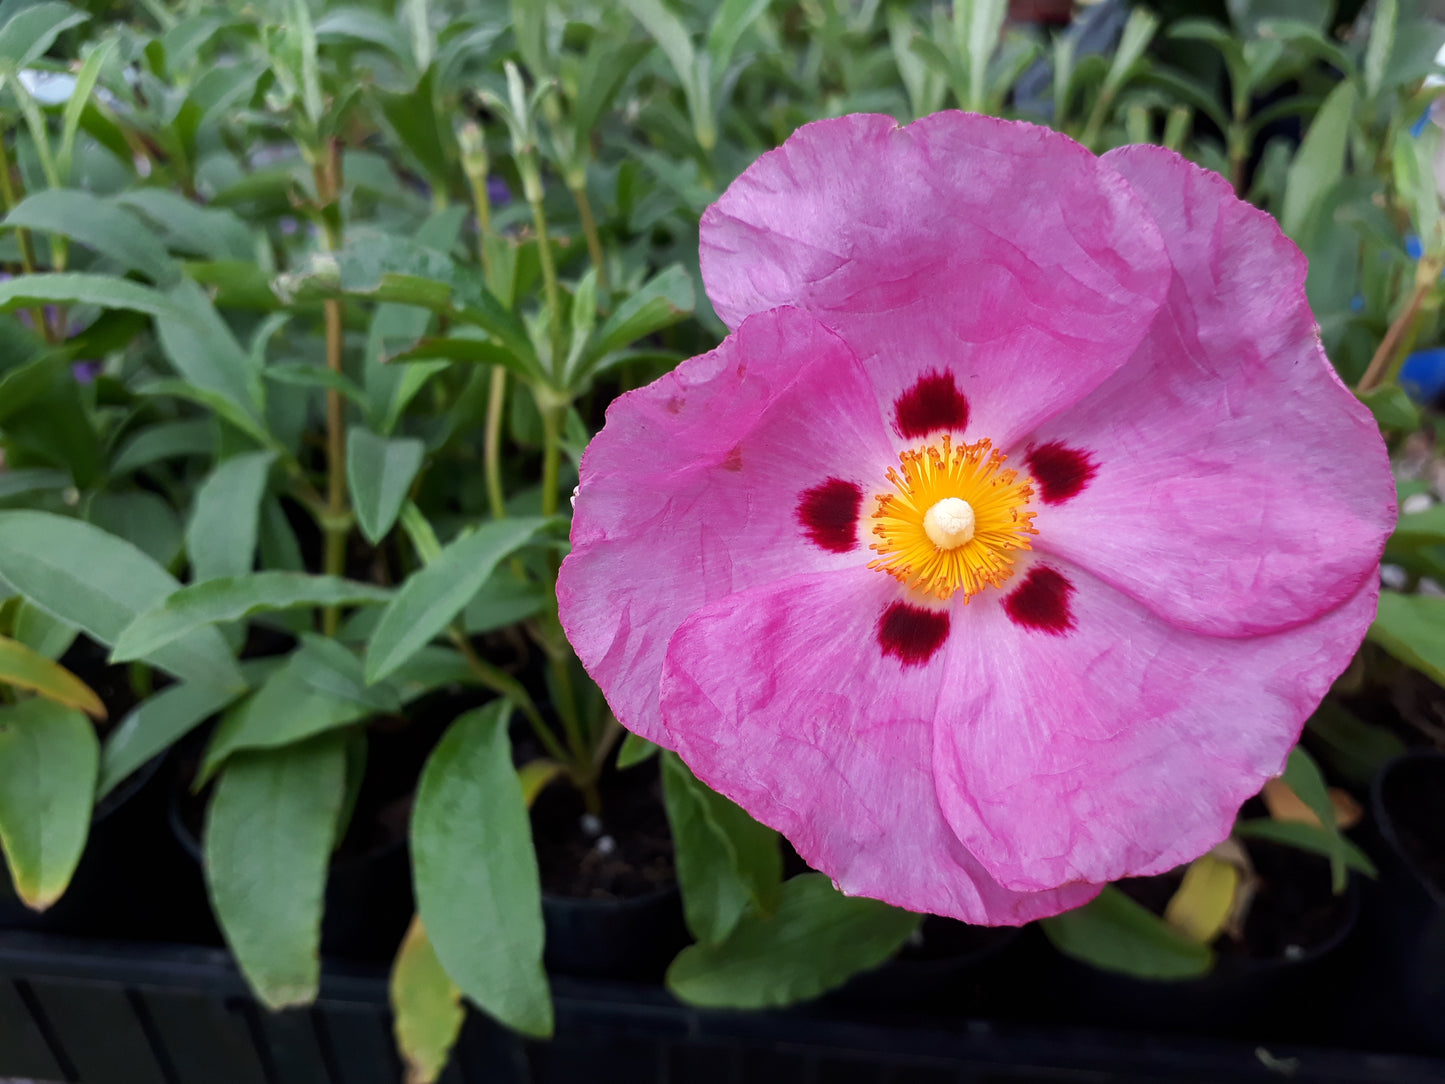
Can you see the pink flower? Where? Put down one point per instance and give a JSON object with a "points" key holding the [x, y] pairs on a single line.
{"points": [[1005, 545]]}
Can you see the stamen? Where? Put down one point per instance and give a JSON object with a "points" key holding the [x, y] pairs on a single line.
{"points": [[954, 520]]}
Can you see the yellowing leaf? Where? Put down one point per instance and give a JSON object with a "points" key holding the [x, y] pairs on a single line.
{"points": [[535, 775], [27, 669], [1285, 805], [1202, 904], [427, 1006]]}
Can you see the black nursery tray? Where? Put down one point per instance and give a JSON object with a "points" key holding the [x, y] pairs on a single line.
{"points": [[107, 1013]]}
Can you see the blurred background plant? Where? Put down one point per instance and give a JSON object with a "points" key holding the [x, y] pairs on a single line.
{"points": [[315, 306]]}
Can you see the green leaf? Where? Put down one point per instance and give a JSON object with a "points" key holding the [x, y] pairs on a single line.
{"points": [[99, 224], [426, 1006], [221, 536], [105, 291], [380, 472], [303, 374], [317, 689], [1302, 776], [270, 831], [1409, 627], [1114, 933], [17, 483], [1392, 408], [48, 758], [1307, 837], [217, 403], [140, 517], [1320, 163], [41, 632], [231, 598], [206, 354], [663, 300], [24, 668], [213, 233], [33, 29], [726, 861], [816, 941], [634, 750], [429, 599], [1381, 45], [166, 440], [728, 26], [478, 891], [100, 583], [154, 725]]}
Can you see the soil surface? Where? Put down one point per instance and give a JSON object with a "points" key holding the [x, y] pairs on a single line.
{"points": [[625, 853]]}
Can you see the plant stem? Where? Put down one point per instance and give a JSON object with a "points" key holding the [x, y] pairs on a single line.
{"points": [[492, 443], [589, 230], [22, 236], [503, 684], [549, 269], [336, 525], [1385, 361], [551, 457]]}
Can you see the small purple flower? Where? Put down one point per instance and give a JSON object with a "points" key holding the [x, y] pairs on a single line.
{"points": [[498, 192], [85, 371], [1423, 375]]}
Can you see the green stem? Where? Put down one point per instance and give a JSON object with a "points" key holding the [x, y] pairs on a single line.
{"points": [[337, 524], [551, 457], [1388, 356], [549, 271], [492, 443], [589, 230], [22, 236], [503, 684]]}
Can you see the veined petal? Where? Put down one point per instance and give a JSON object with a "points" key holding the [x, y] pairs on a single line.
{"points": [[781, 698], [1238, 487], [1124, 745], [1001, 254], [700, 485]]}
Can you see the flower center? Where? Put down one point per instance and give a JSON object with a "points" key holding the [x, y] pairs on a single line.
{"points": [[954, 520]]}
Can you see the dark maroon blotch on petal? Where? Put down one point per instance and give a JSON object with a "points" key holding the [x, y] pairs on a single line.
{"points": [[1041, 602], [932, 403], [1059, 471], [829, 514], [910, 634]]}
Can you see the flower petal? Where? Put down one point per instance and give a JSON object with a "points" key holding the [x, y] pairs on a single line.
{"points": [[1001, 253], [781, 698], [1237, 487], [1125, 745], [732, 470]]}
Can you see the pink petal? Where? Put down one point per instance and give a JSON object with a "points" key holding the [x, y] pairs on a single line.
{"points": [[1000, 252], [779, 698], [1126, 745], [1239, 487], [692, 492]]}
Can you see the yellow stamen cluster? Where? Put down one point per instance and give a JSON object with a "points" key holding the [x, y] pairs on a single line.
{"points": [[936, 472]]}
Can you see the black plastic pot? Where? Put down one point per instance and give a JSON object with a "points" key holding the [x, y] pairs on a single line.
{"points": [[945, 960], [620, 939], [1297, 995], [1406, 937]]}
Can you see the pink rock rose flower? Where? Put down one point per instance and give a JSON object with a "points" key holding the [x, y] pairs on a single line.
{"points": [[1006, 544]]}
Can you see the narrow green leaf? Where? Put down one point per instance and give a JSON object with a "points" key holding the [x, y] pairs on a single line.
{"points": [[1116, 934], [17, 483], [48, 758], [154, 725], [1352, 747], [33, 29], [165, 440], [100, 583], [816, 941], [214, 233], [1381, 45], [663, 300], [1409, 627], [231, 598], [23, 668], [1302, 776], [43, 633], [426, 1006], [302, 374], [429, 599], [1321, 159], [634, 750], [224, 408], [728, 26], [317, 689], [107, 227], [270, 831], [1307, 837], [726, 861], [380, 472], [205, 352], [1392, 408], [105, 291], [225, 519], [477, 886]]}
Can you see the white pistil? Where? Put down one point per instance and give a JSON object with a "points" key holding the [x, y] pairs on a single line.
{"points": [[949, 523]]}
